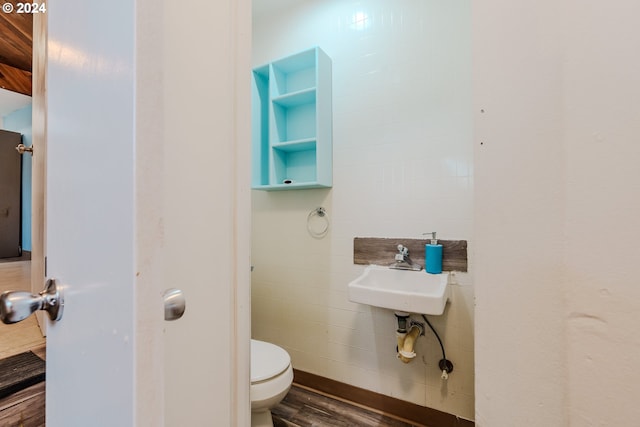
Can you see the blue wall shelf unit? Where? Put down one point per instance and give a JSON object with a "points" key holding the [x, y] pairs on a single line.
{"points": [[292, 123]]}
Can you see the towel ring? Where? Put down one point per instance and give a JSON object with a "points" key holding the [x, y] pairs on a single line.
{"points": [[314, 231]]}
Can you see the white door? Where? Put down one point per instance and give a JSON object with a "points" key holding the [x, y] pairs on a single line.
{"points": [[148, 189]]}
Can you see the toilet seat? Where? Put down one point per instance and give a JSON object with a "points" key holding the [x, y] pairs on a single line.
{"points": [[267, 361]]}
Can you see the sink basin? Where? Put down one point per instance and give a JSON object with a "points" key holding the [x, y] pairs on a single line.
{"points": [[401, 290]]}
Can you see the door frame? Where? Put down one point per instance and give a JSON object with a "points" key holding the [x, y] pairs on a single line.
{"points": [[152, 108], [39, 171], [149, 377]]}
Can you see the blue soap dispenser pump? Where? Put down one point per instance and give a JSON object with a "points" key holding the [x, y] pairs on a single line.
{"points": [[433, 255]]}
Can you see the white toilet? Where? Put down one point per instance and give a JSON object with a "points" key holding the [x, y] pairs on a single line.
{"points": [[271, 378]]}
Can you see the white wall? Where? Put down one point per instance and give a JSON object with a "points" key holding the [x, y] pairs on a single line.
{"points": [[556, 210], [403, 165], [12, 101], [519, 203], [602, 139]]}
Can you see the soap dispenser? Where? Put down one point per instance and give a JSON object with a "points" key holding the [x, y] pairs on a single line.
{"points": [[433, 255]]}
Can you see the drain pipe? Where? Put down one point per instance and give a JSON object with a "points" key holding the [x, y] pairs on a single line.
{"points": [[402, 319], [406, 340], [406, 353]]}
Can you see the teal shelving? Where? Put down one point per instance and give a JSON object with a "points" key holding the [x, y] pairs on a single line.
{"points": [[292, 123]]}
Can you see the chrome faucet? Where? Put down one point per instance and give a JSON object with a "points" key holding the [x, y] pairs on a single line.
{"points": [[403, 260]]}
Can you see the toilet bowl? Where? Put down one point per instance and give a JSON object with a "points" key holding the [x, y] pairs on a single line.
{"points": [[271, 378]]}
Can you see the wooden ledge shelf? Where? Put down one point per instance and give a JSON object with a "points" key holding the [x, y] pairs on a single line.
{"points": [[382, 250]]}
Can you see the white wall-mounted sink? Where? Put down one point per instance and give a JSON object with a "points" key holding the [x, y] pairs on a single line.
{"points": [[401, 290]]}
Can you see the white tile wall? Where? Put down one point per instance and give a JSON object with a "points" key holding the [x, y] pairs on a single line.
{"points": [[403, 165]]}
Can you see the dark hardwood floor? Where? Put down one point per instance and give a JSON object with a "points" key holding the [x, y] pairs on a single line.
{"points": [[305, 408]]}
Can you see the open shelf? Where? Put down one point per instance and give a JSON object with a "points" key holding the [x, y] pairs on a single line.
{"points": [[296, 145], [291, 122], [294, 166], [298, 122], [294, 73], [294, 99], [260, 125]]}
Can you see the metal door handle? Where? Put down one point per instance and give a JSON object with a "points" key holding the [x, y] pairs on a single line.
{"points": [[174, 304], [21, 148], [16, 306]]}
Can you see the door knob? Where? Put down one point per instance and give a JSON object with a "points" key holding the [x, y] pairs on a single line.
{"points": [[21, 148], [174, 304], [16, 306]]}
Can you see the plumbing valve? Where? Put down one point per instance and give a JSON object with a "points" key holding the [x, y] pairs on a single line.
{"points": [[447, 368]]}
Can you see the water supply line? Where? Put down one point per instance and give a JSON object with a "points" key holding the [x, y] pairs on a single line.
{"points": [[445, 365], [407, 334]]}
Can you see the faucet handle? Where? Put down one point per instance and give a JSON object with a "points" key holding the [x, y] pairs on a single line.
{"points": [[402, 253]]}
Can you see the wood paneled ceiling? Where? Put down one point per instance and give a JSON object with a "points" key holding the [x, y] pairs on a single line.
{"points": [[16, 47]]}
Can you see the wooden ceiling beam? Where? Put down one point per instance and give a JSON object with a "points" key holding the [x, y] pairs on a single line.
{"points": [[15, 80], [16, 33]]}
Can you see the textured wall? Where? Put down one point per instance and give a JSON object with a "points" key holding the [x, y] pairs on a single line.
{"points": [[556, 104], [519, 203], [602, 131], [403, 165]]}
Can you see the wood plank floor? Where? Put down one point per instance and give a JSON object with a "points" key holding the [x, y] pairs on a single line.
{"points": [[303, 407], [26, 407]]}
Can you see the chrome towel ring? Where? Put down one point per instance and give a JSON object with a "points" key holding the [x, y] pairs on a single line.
{"points": [[318, 228]]}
